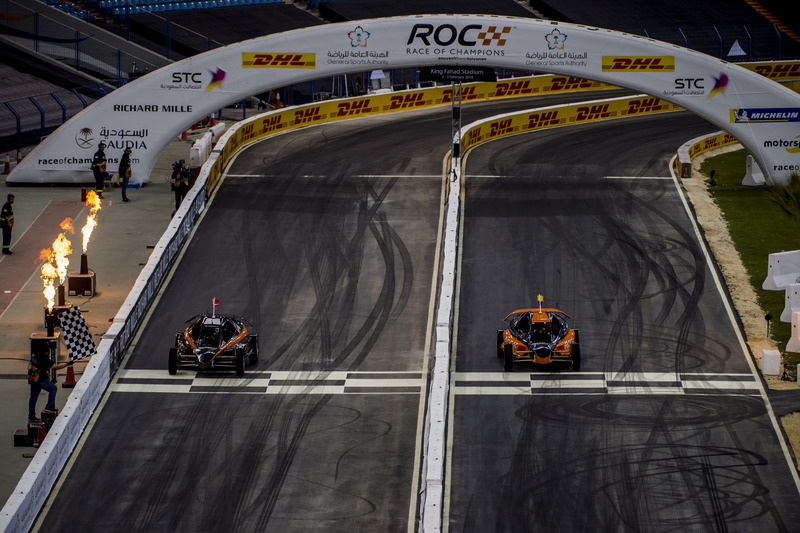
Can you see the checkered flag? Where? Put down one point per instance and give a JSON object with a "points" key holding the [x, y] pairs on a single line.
{"points": [[76, 334]]}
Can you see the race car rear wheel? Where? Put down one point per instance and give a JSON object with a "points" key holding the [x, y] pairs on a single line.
{"points": [[499, 343], [172, 362], [508, 357], [238, 358]]}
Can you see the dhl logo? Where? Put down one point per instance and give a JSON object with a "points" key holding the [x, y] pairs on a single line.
{"points": [[309, 114], [778, 71], [593, 112], [638, 64], [270, 124], [265, 60], [474, 136], [500, 127], [512, 88], [467, 93], [349, 109], [646, 105], [569, 83], [247, 132], [406, 101], [543, 120]]}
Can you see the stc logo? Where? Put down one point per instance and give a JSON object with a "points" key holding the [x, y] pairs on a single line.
{"points": [[469, 35], [638, 64], [187, 77]]}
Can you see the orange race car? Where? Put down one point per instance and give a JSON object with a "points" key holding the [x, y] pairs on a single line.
{"points": [[539, 336]]}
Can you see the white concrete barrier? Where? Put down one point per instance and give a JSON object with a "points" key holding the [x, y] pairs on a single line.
{"points": [[770, 362], [794, 341], [753, 176], [792, 302], [783, 268]]}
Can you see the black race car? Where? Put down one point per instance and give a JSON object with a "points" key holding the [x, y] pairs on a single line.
{"points": [[214, 342]]}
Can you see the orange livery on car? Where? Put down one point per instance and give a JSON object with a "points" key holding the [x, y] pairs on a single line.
{"points": [[539, 336]]}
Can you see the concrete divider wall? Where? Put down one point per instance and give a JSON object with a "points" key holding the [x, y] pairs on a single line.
{"points": [[792, 301], [783, 268], [794, 341]]}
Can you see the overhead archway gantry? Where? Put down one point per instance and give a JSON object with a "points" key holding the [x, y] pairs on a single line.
{"points": [[149, 112]]}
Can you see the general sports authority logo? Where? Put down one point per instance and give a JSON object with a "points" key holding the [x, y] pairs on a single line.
{"points": [[358, 37], [556, 40]]}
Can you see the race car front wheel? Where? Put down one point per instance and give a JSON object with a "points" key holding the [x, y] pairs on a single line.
{"points": [[575, 352], [238, 358], [172, 363], [508, 357], [499, 343]]}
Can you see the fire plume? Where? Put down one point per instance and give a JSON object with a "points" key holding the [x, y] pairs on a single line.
{"points": [[56, 262], [49, 275], [94, 202]]}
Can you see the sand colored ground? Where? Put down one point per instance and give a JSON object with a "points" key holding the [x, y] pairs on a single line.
{"points": [[744, 297]]}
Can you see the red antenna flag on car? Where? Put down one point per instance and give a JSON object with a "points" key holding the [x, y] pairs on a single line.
{"points": [[214, 305]]}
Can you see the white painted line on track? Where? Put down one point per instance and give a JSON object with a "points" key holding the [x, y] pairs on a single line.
{"points": [[270, 383], [594, 383], [328, 176], [638, 178]]}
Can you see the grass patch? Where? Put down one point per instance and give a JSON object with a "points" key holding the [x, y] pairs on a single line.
{"points": [[758, 227]]}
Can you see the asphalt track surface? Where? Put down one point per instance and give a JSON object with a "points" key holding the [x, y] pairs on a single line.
{"points": [[664, 427], [325, 240]]}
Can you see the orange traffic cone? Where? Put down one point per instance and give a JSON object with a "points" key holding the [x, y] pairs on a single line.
{"points": [[70, 381], [7, 168], [213, 121], [19, 156], [278, 103], [184, 136]]}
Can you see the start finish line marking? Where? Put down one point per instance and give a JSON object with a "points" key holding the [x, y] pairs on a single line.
{"points": [[638, 383], [281, 382]]}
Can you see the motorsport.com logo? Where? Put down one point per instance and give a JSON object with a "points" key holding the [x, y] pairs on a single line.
{"points": [[791, 145]]}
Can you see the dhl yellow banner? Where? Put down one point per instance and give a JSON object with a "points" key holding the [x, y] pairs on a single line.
{"points": [[638, 63], [710, 143], [775, 70], [563, 116], [295, 117], [278, 60]]}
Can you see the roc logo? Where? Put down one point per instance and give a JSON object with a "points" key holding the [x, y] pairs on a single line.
{"points": [[494, 34], [469, 35], [638, 64], [84, 138], [278, 60]]}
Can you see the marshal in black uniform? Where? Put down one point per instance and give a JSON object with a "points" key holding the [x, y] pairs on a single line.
{"points": [[7, 222]]}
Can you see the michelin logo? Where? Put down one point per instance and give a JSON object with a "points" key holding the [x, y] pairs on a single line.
{"points": [[778, 114]]}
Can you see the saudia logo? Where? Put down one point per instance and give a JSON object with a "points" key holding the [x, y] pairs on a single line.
{"points": [[469, 35]]}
